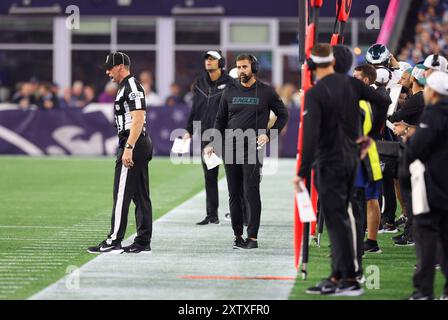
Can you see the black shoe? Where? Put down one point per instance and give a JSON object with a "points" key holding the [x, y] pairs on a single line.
{"points": [[389, 228], [324, 287], [238, 243], [404, 241], [103, 247], [397, 237], [250, 244], [348, 289], [208, 220], [371, 246], [418, 296], [136, 248]]}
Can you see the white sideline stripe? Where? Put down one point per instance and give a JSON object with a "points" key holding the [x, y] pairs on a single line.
{"points": [[119, 205], [19, 142]]}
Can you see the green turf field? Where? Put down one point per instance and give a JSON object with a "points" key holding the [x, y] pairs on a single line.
{"points": [[395, 268], [52, 209]]}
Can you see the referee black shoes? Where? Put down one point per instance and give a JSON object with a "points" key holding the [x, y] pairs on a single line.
{"points": [[104, 247], [137, 248]]}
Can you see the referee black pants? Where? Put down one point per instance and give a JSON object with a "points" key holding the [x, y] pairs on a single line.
{"points": [[431, 238], [244, 200], [335, 187], [132, 184]]}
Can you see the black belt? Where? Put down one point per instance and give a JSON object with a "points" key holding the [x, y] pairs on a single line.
{"points": [[125, 134]]}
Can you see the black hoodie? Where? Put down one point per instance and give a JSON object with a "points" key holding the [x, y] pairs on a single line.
{"points": [[206, 97], [429, 144]]}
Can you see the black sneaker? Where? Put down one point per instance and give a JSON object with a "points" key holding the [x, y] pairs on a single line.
{"points": [[250, 244], [238, 243], [401, 221], [389, 228], [348, 289], [404, 241], [371, 246], [104, 247], [324, 287], [208, 220], [136, 248], [419, 296], [397, 237]]}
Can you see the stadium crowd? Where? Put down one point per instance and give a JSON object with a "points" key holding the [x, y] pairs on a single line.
{"points": [[48, 96]]}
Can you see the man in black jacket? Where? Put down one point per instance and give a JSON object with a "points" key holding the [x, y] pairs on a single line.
{"points": [[242, 121], [207, 93], [429, 144]]}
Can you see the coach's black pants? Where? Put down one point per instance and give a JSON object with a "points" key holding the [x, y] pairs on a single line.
{"points": [[430, 230], [248, 176], [132, 184], [335, 184], [211, 188]]}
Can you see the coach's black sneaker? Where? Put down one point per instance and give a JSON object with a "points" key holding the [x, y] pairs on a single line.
{"points": [[208, 220], [103, 247], [324, 287], [347, 288], [371, 246], [401, 221], [136, 248], [419, 296], [250, 244], [404, 241], [239, 243]]}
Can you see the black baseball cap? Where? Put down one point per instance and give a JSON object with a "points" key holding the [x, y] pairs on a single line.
{"points": [[115, 59]]}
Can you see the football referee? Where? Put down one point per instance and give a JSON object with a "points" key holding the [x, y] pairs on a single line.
{"points": [[131, 180]]}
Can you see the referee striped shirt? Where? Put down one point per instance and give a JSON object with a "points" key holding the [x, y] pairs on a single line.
{"points": [[130, 97]]}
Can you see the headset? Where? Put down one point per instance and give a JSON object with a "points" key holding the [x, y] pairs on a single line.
{"points": [[254, 64], [221, 61]]}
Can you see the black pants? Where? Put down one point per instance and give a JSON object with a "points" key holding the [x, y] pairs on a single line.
{"points": [[132, 184], [390, 198], [430, 231], [243, 182], [211, 188], [406, 194], [335, 184]]}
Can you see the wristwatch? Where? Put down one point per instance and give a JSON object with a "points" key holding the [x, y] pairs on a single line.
{"points": [[129, 146]]}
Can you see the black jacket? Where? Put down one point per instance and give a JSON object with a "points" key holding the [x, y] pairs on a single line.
{"points": [[411, 110], [429, 144], [206, 97], [331, 120]]}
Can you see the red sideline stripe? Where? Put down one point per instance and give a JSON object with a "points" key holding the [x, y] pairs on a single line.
{"points": [[236, 278]]}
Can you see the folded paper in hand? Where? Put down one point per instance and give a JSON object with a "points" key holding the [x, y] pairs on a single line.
{"points": [[181, 145], [212, 161], [305, 207]]}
